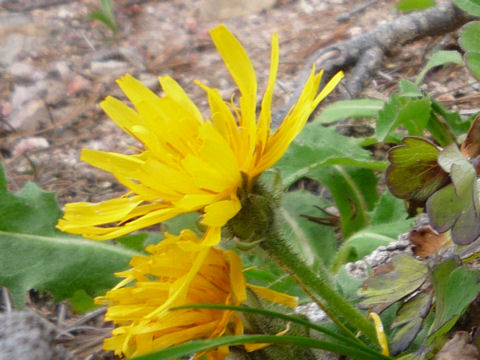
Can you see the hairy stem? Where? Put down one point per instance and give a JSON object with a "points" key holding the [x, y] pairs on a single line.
{"points": [[318, 284]]}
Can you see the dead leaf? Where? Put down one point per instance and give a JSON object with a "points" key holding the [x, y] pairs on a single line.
{"points": [[471, 146], [426, 241], [460, 347]]}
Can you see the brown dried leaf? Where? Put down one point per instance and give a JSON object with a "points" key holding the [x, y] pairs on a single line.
{"points": [[460, 347], [471, 146], [426, 241]]}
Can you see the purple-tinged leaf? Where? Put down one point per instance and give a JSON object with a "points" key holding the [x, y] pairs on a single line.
{"points": [[457, 205], [414, 173]]}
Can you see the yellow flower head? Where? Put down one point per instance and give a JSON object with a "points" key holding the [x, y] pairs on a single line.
{"points": [[178, 271], [189, 163]]}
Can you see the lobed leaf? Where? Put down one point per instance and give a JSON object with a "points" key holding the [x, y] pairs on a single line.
{"points": [[411, 113], [457, 205], [414, 172], [60, 265], [317, 147], [392, 282], [455, 288], [451, 121], [37, 256], [30, 211]]}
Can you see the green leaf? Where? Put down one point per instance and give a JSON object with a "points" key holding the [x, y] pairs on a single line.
{"points": [[138, 242], [440, 130], [445, 125], [201, 345], [354, 191], [264, 271], [37, 256], [348, 285], [312, 241], [388, 209], [343, 109], [418, 355], [325, 330], [409, 321], [106, 16], [413, 114], [317, 147], [30, 211], [457, 205], [387, 221], [270, 275], [458, 125], [365, 241], [182, 222], [413, 5], [100, 16], [82, 302], [473, 63], [409, 89], [455, 288], [414, 172], [60, 265], [470, 6], [469, 40], [470, 36], [439, 58], [393, 281]]}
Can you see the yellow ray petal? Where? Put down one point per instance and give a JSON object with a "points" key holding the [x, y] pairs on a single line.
{"points": [[237, 279], [222, 117], [87, 214], [135, 90], [274, 296], [182, 284], [123, 116], [238, 63], [218, 213], [205, 176], [265, 116], [174, 90], [219, 154], [112, 162], [236, 60]]}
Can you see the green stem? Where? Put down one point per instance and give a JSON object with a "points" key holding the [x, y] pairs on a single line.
{"points": [[318, 283]]}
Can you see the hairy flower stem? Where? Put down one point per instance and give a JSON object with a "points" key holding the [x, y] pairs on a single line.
{"points": [[317, 284]]}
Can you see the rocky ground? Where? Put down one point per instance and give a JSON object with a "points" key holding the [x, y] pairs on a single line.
{"points": [[56, 64]]}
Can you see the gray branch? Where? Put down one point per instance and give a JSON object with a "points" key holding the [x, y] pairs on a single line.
{"points": [[366, 52]]}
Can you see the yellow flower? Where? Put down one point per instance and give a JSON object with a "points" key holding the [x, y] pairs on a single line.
{"points": [[178, 271], [189, 163]]}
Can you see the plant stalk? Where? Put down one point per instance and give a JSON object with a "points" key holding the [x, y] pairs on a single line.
{"points": [[318, 283]]}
